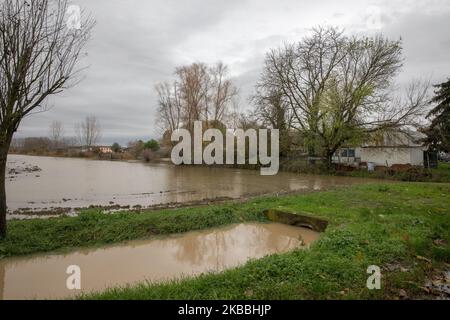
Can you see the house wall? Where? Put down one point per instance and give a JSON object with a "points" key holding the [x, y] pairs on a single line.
{"points": [[399, 148], [105, 149], [392, 156], [405, 155], [337, 158], [417, 156]]}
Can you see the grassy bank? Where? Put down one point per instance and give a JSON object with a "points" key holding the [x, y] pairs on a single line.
{"points": [[439, 174], [413, 174], [93, 228], [404, 228]]}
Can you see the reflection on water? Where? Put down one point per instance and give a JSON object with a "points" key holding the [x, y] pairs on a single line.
{"points": [[44, 276], [71, 183]]}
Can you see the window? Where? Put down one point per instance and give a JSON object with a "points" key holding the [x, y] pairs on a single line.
{"points": [[351, 153]]}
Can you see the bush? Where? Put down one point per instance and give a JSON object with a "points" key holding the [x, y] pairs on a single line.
{"points": [[148, 155], [152, 145]]}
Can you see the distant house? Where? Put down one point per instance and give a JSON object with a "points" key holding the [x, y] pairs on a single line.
{"points": [[389, 149], [104, 149]]}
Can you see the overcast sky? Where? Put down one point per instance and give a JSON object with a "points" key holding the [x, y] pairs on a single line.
{"points": [[138, 43]]}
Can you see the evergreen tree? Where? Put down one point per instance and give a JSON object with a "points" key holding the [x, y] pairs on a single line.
{"points": [[438, 133]]}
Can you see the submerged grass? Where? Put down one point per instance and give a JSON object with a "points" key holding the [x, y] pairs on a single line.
{"points": [[402, 227]]}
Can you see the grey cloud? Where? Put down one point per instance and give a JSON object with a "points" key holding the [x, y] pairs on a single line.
{"points": [[138, 43]]}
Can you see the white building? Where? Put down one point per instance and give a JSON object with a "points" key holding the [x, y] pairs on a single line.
{"points": [[392, 149], [105, 149]]}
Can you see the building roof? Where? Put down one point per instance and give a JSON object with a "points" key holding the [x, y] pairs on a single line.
{"points": [[397, 139]]}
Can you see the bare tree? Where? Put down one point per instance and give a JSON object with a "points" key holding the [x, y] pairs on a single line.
{"points": [[272, 111], [88, 131], [199, 92], [400, 111], [169, 106], [337, 87], [56, 133], [222, 92], [194, 84], [38, 58]]}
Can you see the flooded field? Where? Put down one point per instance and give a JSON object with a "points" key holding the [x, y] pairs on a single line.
{"points": [[45, 183], [172, 257]]}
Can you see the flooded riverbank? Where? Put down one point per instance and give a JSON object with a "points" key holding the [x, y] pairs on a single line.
{"points": [[44, 276], [63, 184]]}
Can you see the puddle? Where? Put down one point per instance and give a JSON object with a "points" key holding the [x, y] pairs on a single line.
{"points": [[192, 253]]}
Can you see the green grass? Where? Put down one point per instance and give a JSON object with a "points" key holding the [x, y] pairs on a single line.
{"points": [[384, 224], [93, 228], [415, 174], [372, 224], [439, 174], [443, 170]]}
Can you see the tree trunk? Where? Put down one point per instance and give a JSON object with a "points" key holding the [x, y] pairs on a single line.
{"points": [[4, 147], [329, 159], [3, 156], [2, 280]]}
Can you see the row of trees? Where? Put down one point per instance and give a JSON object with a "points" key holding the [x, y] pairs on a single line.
{"points": [[323, 92], [88, 133]]}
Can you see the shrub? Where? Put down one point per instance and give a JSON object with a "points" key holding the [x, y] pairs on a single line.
{"points": [[148, 155], [152, 145]]}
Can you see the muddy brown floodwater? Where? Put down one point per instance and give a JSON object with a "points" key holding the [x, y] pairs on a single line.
{"points": [[172, 257], [75, 183]]}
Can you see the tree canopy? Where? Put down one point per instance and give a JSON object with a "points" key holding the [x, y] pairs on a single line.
{"points": [[335, 89]]}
